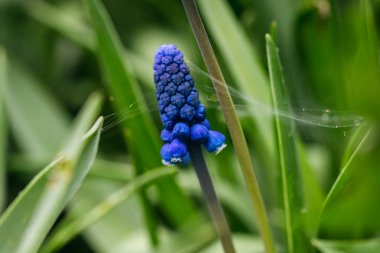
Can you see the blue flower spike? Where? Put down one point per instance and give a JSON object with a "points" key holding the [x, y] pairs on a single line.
{"points": [[182, 114]]}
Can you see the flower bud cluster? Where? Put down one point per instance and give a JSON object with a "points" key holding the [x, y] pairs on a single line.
{"points": [[182, 114]]}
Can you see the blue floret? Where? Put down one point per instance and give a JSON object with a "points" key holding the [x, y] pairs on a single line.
{"points": [[181, 130], [182, 114], [199, 133], [215, 142]]}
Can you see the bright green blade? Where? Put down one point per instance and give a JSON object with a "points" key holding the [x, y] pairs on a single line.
{"points": [[354, 246], [140, 133], [47, 194], [288, 162], [3, 128]]}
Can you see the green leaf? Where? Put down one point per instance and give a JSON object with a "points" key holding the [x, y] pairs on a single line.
{"points": [[354, 246], [3, 128], [47, 194], [70, 229], [37, 121], [357, 141], [140, 133], [287, 155]]}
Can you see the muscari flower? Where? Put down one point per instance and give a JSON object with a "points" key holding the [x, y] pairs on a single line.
{"points": [[182, 114]]}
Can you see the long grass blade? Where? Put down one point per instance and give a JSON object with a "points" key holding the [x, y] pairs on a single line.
{"points": [[3, 128], [287, 155]]}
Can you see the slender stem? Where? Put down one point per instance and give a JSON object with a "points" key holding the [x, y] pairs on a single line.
{"points": [[212, 201], [232, 121]]}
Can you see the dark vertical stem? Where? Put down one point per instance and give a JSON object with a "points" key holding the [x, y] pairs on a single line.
{"points": [[232, 121], [212, 201]]}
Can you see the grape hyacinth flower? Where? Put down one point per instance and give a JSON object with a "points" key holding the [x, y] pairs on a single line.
{"points": [[182, 114], [186, 128]]}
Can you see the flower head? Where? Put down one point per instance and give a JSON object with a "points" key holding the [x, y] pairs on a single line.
{"points": [[182, 114]]}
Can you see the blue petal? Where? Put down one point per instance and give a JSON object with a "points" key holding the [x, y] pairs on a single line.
{"points": [[167, 122], [184, 88], [201, 113], [166, 135], [172, 112], [178, 100], [199, 133], [206, 124], [171, 88], [181, 130], [187, 112], [215, 142], [178, 149], [166, 152], [193, 99], [186, 159]]}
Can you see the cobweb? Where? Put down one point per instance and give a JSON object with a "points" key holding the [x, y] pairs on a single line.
{"points": [[245, 105]]}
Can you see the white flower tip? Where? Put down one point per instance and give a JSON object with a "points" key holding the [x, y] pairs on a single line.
{"points": [[166, 163], [176, 160], [223, 146]]}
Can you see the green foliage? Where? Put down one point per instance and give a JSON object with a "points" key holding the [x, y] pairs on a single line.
{"points": [[320, 184], [51, 189]]}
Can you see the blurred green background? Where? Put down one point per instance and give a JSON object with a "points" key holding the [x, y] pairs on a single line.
{"points": [[55, 54]]}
